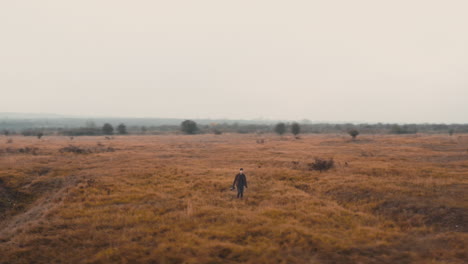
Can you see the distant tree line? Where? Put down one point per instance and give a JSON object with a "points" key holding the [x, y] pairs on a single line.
{"points": [[281, 128]]}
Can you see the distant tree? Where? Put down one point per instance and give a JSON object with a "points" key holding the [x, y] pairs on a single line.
{"points": [[6, 132], [122, 129], [295, 129], [353, 133], [108, 129], [39, 135], [280, 128], [451, 131], [144, 129], [189, 127]]}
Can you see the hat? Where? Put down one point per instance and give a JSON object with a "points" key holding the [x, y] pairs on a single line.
{"points": [[241, 169]]}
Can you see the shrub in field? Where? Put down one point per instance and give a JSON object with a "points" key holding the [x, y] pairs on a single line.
{"points": [[74, 149], [28, 150], [39, 135], [189, 127], [78, 150], [108, 129], [122, 129], [321, 164], [25, 150], [280, 128], [353, 133], [295, 129]]}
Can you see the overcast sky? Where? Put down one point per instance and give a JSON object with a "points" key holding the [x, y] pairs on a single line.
{"points": [[364, 61]]}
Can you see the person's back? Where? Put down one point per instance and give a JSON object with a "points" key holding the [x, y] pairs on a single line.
{"points": [[240, 181]]}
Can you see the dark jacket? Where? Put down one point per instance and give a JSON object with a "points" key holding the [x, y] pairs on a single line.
{"points": [[241, 180]]}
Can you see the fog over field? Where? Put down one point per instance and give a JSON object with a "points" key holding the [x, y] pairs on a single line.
{"points": [[337, 61], [129, 131]]}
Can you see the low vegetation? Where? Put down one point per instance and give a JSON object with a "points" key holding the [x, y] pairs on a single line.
{"points": [[189, 127], [295, 129], [107, 129], [166, 199], [353, 133], [280, 128], [122, 129], [321, 164]]}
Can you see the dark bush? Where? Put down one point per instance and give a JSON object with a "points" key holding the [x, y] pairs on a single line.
{"points": [[107, 129], [78, 150], [25, 150], [280, 128], [189, 127], [122, 129], [295, 129], [353, 133], [321, 164], [74, 149]]}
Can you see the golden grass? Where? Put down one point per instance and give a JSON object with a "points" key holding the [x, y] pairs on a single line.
{"points": [[166, 199]]}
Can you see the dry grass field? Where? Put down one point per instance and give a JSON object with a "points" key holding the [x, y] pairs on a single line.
{"points": [[166, 199]]}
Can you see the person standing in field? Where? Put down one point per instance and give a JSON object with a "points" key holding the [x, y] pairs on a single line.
{"points": [[241, 182]]}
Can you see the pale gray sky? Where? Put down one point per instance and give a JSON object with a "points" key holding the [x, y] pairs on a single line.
{"points": [[360, 60]]}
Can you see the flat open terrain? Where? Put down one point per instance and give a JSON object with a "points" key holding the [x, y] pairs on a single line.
{"points": [[166, 199]]}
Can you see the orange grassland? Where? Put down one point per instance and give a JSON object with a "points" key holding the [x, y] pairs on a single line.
{"points": [[166, 199]]}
